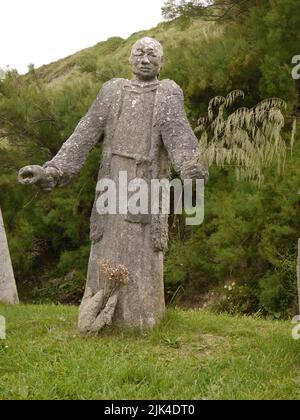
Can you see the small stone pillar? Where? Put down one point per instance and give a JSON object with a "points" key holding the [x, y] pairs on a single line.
{"points": [[8, 288]]}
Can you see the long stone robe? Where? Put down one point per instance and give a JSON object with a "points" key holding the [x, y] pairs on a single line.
{"points": [[145, 130]]}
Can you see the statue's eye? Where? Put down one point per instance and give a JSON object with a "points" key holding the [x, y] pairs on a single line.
{"points": [[151, 53]]}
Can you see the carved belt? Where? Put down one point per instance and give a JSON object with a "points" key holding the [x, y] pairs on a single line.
{"points": [[139, 159]]}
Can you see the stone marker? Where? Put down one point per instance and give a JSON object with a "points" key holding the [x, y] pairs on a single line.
{"points": [[8, 289], [144, 130]]}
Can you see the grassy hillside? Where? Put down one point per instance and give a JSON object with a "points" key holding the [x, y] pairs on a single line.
{"points": [[191, 355], [109, 59]]}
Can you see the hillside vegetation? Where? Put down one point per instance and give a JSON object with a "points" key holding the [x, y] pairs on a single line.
{"points": [[242, 259]]}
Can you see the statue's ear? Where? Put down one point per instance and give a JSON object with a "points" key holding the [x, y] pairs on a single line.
{"points": [[162, 62]]}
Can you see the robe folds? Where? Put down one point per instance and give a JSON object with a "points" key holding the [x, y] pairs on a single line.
{"points": [[145, 131]]}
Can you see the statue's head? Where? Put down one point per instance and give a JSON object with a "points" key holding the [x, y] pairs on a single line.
{"points": [[147, 57]]}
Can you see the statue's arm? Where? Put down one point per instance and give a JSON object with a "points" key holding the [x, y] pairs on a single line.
{"points": [[72, 155], [179, 139]]}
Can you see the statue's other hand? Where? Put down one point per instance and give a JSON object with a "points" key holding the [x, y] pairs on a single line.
{"points": [[30, 175], [90, 308], [194, 170]]}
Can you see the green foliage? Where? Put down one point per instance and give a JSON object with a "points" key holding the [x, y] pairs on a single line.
{"points": [[215, 10], [249, 237], [249, 140], [48, 234]]}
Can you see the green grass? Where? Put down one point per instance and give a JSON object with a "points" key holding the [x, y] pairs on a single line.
{"points": [[191, 355]]}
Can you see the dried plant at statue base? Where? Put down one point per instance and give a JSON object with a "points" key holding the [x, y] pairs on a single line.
{"points": [[247, 139], [97, 311]]}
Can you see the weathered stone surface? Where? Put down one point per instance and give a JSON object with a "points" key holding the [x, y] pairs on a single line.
{"points": [[8, 289], [145, 131]]}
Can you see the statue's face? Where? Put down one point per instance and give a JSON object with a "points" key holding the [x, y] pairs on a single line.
{"points": [[146, 59]]}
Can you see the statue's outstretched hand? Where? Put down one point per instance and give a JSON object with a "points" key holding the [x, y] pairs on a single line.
{"points": [[90, 308], [30, 175], [45, 178], [96, 311]]}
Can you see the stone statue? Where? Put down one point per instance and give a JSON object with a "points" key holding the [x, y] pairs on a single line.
{"points": [[144, 130], [8, 288]]}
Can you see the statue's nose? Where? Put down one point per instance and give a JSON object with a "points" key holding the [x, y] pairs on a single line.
{"points": [[145, 60]]}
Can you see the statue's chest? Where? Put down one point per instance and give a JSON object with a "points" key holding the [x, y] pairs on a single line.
{"points": [[134, 126]]}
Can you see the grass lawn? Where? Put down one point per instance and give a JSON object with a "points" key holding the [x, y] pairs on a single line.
{"points": [[191, 355]]}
